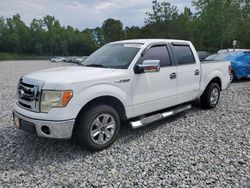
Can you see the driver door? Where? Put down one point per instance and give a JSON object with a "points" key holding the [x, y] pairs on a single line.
{"points": [[154, 91]]}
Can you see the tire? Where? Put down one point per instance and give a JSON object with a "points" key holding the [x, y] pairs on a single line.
{"points": [[211, 96], [232, 77], [98, 127]]}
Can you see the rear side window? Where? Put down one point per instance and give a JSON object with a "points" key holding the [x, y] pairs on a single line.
{"points": [[157, 53], [183, 55]]}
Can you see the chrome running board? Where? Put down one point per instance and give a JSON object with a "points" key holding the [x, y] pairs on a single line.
{"points": [[150, 119]]}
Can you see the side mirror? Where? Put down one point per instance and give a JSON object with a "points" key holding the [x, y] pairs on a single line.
{"points": [[149, 66]]}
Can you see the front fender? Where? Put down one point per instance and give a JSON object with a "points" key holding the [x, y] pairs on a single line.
{"points": [[99, 90]]}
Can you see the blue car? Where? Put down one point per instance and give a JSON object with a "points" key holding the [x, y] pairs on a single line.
{"points": [[240, 63]]}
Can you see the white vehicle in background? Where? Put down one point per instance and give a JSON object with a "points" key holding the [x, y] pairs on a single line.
{"points": [[57, 59], [79, 60], [232, 50], [139, 81]]}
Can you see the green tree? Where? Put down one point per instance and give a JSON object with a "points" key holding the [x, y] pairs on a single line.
{"points": [[161, 22], [133, 32], [161, 12], [98, 36], [183, 25], [53, 29], [112, 30], [214, 25], [244, 26], [217, 23], [15, 35], [2, 28], [37, 37]]}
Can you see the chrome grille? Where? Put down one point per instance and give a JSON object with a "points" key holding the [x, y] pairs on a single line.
{"points": [[28, 94]]}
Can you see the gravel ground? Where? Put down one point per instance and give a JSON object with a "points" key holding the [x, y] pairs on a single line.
{"points": [[202, 148]]}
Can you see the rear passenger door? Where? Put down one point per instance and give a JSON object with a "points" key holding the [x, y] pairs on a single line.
{"points": [[188, 73], [156, 90]]}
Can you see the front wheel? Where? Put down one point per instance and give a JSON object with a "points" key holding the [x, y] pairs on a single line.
{"points": [[211, 96], [98, 127]]}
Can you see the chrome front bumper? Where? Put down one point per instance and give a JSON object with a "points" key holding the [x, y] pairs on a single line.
{"points": [[44, 128]]}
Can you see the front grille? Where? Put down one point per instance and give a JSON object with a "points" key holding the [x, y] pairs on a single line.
{"points": [[24, 105], [28, 94]]}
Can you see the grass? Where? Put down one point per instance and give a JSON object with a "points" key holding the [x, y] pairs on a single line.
{"points": [[10, 56]]}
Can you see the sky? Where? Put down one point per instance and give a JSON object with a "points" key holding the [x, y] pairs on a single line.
{"points": [[84, 14]]}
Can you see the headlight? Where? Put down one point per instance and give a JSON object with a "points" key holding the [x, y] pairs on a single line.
{"points": [[55, 99]]}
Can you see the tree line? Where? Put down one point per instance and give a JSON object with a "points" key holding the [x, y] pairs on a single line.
{"points": [[213, 25]]}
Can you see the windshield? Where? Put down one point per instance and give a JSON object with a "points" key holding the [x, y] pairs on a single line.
{"points": [[118, 56]]}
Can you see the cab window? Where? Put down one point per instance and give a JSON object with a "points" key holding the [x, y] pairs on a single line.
{"points": [[183, 55], [157, 53]]}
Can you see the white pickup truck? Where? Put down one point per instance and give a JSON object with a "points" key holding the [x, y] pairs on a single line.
{"points": [[136, 81]]}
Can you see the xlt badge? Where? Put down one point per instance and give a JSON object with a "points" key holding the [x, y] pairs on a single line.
{"points": [[122, 81]]}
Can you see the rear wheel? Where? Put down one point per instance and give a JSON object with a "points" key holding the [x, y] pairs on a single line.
{"points": [[232, 77], [211, 96], [98, 128]]}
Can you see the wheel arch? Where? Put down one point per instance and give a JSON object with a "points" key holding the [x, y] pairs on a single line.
{"points": [[108, 100], [211, 78], [216, 80]]}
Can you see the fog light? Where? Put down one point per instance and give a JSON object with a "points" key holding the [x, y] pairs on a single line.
{"points": [[45, 130]]}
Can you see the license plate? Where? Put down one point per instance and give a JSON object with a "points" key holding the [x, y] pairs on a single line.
{"points": [[16, 121]]}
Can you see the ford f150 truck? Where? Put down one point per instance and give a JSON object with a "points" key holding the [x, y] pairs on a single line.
{"points": [[136, 81]]}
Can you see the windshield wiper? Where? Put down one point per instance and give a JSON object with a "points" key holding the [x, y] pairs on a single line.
{"points": [[96, 65]]}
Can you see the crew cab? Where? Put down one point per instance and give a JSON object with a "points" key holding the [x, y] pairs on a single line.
{"points": [[135, 81]]}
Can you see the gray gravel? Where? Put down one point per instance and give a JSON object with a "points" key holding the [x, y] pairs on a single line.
{"points": [[202, 148]]}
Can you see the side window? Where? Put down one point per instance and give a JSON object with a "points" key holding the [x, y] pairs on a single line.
{"points": [[183, 55], [157, 53]]}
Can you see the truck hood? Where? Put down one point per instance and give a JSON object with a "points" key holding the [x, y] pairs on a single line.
{"points": [[72, 74]]}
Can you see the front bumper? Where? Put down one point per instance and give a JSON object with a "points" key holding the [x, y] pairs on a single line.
{"points": [[45, 128]]}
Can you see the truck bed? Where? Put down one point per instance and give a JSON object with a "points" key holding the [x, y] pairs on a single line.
{"points": [[209, 68]]}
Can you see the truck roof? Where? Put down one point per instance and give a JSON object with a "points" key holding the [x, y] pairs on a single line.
{"points": [[148, 41]]}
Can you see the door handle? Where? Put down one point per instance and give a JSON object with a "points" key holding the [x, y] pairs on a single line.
{"points": [[173, 75], [196, 72]]}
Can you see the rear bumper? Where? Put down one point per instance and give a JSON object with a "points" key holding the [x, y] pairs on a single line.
{"points": [[43, 128]]}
